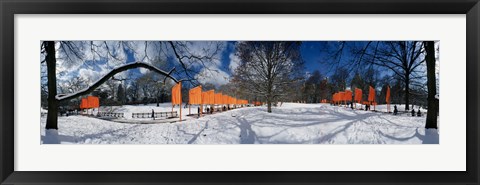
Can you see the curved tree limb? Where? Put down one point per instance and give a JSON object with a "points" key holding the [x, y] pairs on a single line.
{"points": [[63, 97], [169, 74]]}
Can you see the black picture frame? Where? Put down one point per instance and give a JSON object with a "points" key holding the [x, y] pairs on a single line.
{"points": [[9, 8]]}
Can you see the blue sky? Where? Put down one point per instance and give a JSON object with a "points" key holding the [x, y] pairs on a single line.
{"points": [[313, 52]]}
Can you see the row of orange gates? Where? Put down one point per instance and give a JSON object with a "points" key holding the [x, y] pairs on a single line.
{"points": [[198, 97], [343, 97], [195, 96]]}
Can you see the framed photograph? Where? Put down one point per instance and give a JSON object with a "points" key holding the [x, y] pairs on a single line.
{"points": [[246, 92]]}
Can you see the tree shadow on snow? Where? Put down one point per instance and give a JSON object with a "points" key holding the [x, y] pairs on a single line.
{"points": [[336, 116], [247, 135], [74, 139], [246, 120], [431, 136], [195, 135]]}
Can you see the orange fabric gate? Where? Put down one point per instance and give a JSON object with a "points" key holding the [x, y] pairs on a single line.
{"points": [[177, 97]]}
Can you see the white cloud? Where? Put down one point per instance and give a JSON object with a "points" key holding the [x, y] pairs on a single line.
{"points": [[216, 77], [99, 52], [89, 75], [234, 62]]}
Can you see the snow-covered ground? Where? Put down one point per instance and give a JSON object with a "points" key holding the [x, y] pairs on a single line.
{"points": [[292, 123]]}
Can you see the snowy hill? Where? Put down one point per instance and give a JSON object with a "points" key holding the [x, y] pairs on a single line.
{"points": [[291, 123]]}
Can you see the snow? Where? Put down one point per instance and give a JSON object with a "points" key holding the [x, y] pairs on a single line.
{"points": [[292, 123]]}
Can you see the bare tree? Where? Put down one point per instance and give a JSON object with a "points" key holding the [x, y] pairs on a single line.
{"points": [[403, 58], [112, 87], [339, 79], [88, 52], [208, 86], [133, 92], [268, 68], [312, 87]]}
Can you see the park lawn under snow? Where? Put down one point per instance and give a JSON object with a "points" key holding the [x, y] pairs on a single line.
{"points": [[291, 123]]}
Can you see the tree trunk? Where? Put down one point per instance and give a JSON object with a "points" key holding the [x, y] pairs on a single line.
{"points": [[52, 115], [407, 92], [432, 85], [269, 99], [269, 105]]}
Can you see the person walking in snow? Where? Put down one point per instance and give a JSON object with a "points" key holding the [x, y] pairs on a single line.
{"points": [[395, 110], [153, 114], [413, 112], [419, 114]]}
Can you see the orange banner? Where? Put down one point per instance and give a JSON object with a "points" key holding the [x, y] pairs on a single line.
{"points": [[387, 98], [371, 94], [347, 95], [84, 104], [90, 102], [177, 94], [224, 99], [204, 98], [195, 96], [341, 96], [242, 102], [358, 95], [218, 98], [209, 97]]}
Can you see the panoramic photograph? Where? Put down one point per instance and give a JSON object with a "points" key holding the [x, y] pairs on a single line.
{"points": [[239, 92]]}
